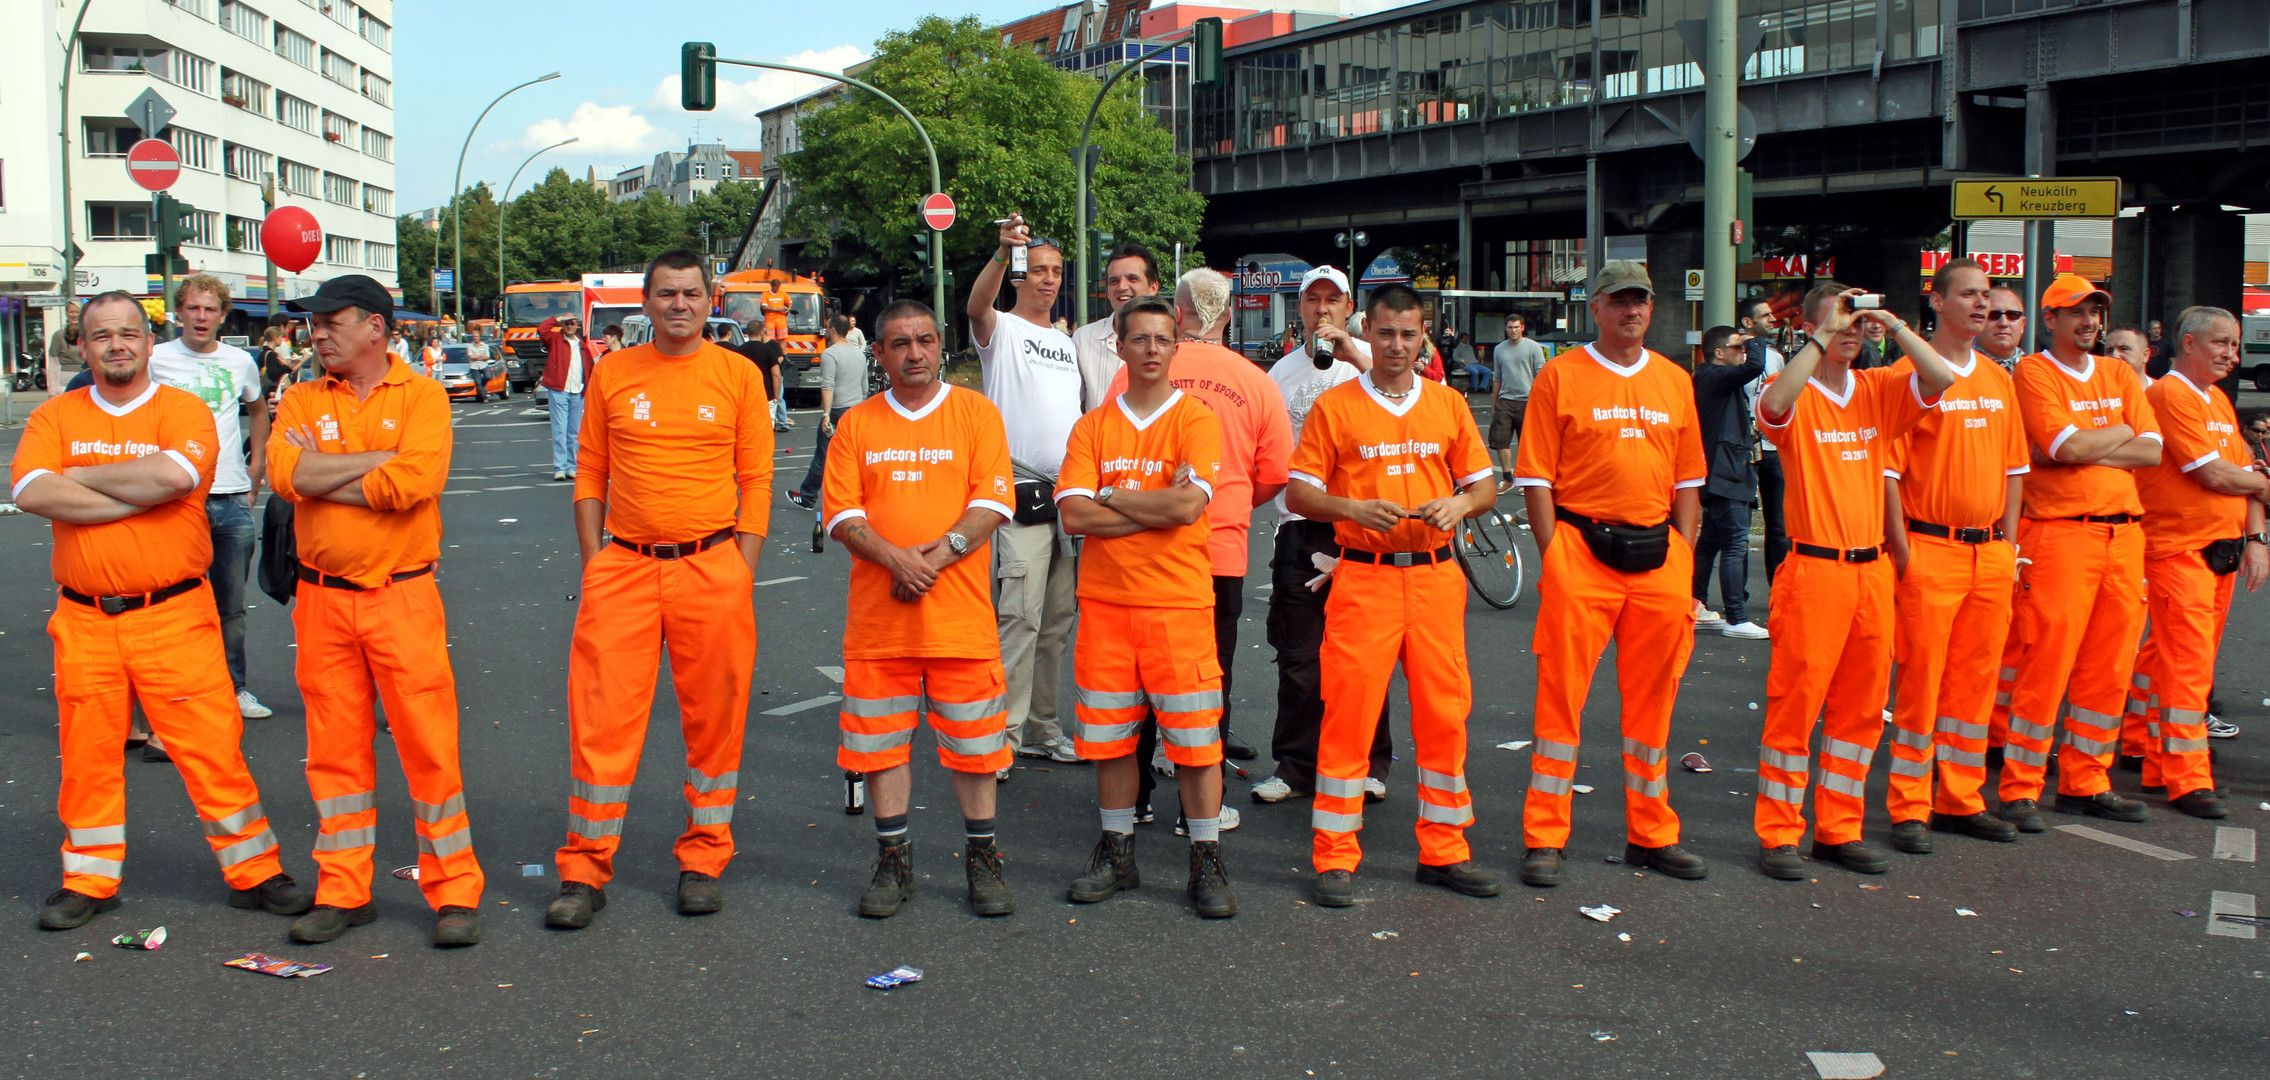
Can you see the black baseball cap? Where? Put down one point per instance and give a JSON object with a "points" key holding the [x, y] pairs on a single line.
{"points": [[346, 291]]}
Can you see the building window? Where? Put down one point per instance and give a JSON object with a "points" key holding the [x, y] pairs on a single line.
{"points": [[295, 46], [339, 189], [193, 7], [340, 11], [701, 171], [295, 113], [299, 179], [119, 221], [377, 89], [245, 92], [203, 224], [377, 256], [338, 129], [194, 149], [374, 31], [342, 250], [245, 163], [109, 138], [100, 56], [338, 68], [244, 22], [190, 72], [244, 235], [378, 144], [378, 200]]}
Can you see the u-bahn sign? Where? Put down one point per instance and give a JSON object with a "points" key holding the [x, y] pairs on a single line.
{"points": [[2038, 198]]}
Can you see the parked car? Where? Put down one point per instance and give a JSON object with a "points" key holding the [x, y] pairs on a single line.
{"points": [[464, 378]]}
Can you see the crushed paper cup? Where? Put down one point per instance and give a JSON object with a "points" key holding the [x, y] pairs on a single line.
{"points": [[1694, 763], [407, 873]]}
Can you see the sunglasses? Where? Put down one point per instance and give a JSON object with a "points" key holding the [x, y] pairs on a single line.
{"points": [[2007, 316]]}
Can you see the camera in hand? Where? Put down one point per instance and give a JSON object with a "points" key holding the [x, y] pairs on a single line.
{"points": [[1868, 302], [1320, 351]]}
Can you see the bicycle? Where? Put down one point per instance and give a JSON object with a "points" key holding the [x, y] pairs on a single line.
{"points": [[1490, 557]]}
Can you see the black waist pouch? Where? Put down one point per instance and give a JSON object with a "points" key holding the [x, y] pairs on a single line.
{"points": [[1036, 502], [2223, 555], [1632, 549]]}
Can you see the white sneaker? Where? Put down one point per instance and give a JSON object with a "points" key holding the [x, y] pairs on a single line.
{"points": [[1744, 630], [1058, 749], [1001, 777], [1704, 616], [1159, 762], [1272, 790], [1230, 818], [2219, 728], [250, 707], [1374, 790]]}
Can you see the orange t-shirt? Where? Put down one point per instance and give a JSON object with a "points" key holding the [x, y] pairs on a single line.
{"points": [[1161, 568], [1257, 438], [1954, 469], [2180, 514], [1832, 455], [401, 528], [143, 552], [1614, 443], [2057, 403], [678, 446], [912, 475], [1358, 444]]}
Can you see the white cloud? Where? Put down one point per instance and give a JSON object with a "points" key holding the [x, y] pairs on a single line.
{"points": [[601, 129]]}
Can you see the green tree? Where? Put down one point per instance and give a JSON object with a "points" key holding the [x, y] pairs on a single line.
{"points": [[642, 228], [557, 229], [726, 209], [414, 261]]}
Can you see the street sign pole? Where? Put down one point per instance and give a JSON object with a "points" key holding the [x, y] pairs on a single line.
{"points": [[1721, 103]]}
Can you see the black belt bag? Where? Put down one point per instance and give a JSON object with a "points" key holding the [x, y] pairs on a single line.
{"points": [[2223, 555], [1036, 502], [1633, 549]]}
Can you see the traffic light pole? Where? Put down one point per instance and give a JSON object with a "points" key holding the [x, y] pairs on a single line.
{"points": [[1080, 165], [63, 131]]}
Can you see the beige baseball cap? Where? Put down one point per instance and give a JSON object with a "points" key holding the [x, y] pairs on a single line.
{"points": [[1618, 275]]}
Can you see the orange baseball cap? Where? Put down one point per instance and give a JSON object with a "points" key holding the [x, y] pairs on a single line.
{"points": [[2071, 290]]}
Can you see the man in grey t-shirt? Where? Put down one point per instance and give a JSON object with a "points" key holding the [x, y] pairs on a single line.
{"points": [[843, 384], [1517, 360]]}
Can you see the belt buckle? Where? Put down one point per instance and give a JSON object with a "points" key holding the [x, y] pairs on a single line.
{"points": [[666, 551], [1859, 555], [113, 605], [1973, 536]]}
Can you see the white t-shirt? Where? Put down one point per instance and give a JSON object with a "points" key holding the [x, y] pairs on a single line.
{"points": [[1751, 390], [1298, 378], [221, 379], [1032, 378]]}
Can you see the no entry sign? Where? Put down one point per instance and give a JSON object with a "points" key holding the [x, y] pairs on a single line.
{"points": [[938, 211], [153, 164]]}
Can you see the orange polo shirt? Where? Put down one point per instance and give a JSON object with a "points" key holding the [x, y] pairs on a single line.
{"points": [[1832, 454], [2056, 404], [1359, 444], [144, 552], [1257, 438], [401, 528], [1613, 442], [2180, 514], [1160, 568], [912, 475], [678, 446], [1954, 468]]}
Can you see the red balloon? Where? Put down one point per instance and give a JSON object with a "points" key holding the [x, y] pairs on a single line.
{"points": [[291, 238]]}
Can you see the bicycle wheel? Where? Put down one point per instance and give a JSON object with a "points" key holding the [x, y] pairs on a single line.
{"points": [[1490, 558]]}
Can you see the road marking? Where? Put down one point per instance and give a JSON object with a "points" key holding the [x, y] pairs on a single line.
{"points": [[2124, 843], [461, 491], [781, 581], [2229, 903], [2233, 844], [515, 487], [830, 699], [834, 673], [469, 478], [1839, 1065]]}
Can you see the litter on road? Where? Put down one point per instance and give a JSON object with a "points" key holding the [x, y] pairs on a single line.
{"points": [[276, 965], [142, 939], [1517, 744], [406, 873], [1383, 935], [898, 976], [1584, 789], [82, 957], [1966, 912], [1603, 913], [1694, 763], [1836, 1065], [1602, 1036], [534, 869]]}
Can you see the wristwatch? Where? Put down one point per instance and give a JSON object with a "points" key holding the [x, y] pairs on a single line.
{"points": [[2262, 538], [958, 542], [1103, 495]]}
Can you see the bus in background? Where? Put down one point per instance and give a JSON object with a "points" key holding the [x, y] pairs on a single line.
{"points": [[525, 305], [796, 308]]}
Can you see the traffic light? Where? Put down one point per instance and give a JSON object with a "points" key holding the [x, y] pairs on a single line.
{"points": [[1100, 244], [176, 224], [1206, 52], [697, 76], [922, 257]]}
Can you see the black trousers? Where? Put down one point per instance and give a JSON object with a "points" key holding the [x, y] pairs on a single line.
{"points": [[1769, 502], [1229, 607], [1296, 631]]}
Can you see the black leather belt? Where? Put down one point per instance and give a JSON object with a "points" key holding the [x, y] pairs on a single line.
{"points": [[1967, 536], [120, 605], [1850, 555], [677, 551], [313, 576], [2107, 519], [1405, 559]]}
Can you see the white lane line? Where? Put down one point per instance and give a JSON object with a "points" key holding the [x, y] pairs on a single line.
{"points": [[834, 673], [461, 491], [800, 706], [2229, 903], [2124, 843], [780, 581], [469, 478], [514, 487], [2234, 844]]}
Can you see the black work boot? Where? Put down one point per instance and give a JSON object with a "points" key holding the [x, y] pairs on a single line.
{"points": [[1982, 825], [1210, 881], [698, 893], [1463, 877], [326, 923], [279, 895], [1781, 863], [1858, 856], [456, 927], [2025, 814], [2203, 803], [1336, 888], [577, 904], [1541, 867], [67, 910], [1913, 837], [1110, 868], [2103, 804], [893, 884], [1671, 860], [988, 893]]}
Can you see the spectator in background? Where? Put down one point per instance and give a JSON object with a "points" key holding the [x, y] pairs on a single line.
{"points": [[1730, 450], [1470, 362], [1131, 272], [2163, 353], [1430, 361], [764, 352], [277, 360], [610, 339], [2129, 346], [1518, 360], [843, 384], [1761, 325], [1876, 348], [430, 357], [2258, 434], [63, 349], [2005, 334], [567, 370]]}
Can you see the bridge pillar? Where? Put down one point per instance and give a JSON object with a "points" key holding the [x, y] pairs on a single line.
{"points": [[2167, 259], [1669, 256]]}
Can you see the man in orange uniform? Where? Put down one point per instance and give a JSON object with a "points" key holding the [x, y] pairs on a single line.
{"points": [[1394, 464], [1611, 449], [364, 452], [918, 478], [2196, 502], [1137, 478], [1832, 601], [2081, 591], [676, 463], [1951, 491], [122, 468]]}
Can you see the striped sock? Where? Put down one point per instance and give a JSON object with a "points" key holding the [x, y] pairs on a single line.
{"points": [[890, 828], [978, 829]]}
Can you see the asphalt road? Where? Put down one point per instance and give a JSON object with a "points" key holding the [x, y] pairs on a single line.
{"points": [[2077, 962]]}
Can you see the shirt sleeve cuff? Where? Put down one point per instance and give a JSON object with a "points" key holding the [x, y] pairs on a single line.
{"points": [[1069, 492], [1205, 486], [1532, 481], [1915, 386], [2019, 471], [1689, 484], [1893, 474], [985, 504], [188, 466], [1473, 476], [2058, 443], [2203, 459], [1306, 478], [844, 515], [25, 481], [2152, 435]]}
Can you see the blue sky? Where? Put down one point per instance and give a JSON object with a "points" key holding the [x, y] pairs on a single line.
{"points": [[618, 88]]}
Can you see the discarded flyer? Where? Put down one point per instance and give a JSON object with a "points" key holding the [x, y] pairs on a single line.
{"points": [[1517, 744], [1966, 912], [1694, 763], [898, 976], [276, 965], [407, 873], [534, 869], [141, 939], [1603, 913], [1383, 935]]}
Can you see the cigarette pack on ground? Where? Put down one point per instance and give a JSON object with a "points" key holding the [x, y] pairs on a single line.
{"points": [[897, 976], [276, 965]]}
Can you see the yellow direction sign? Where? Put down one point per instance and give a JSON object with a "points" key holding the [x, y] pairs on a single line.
{"points": [[2038, 197]]}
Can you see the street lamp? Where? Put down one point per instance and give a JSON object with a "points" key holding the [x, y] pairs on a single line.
{"points": [[457, 184], [1349, 241], [504, 205]]}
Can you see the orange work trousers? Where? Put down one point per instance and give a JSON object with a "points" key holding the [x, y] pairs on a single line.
{"points": [[1952, 613], [168, 657], [1376, 616], [385, 645], [1129, 661], [1832, 645], [2140, 725], [2189, 605], [700, 608], [966, 699], [1582, 606], [2081, 608]]}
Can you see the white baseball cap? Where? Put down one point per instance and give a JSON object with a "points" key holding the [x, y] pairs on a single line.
{"points": [[1325, 273]]}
